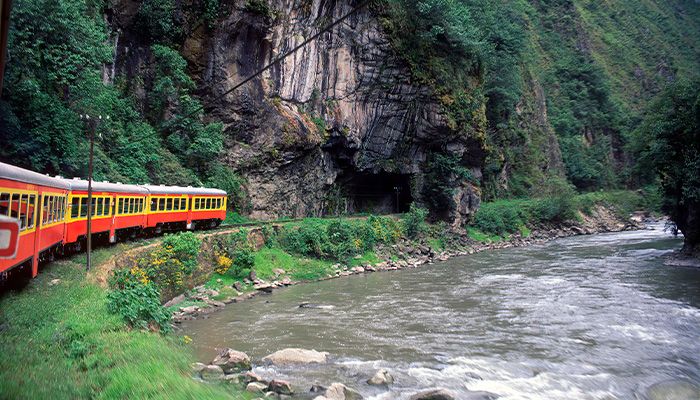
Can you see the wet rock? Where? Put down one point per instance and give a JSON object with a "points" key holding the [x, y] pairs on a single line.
{"points": [[191, 310], [175, 301], [281, 387], [676, 389], [316, 388], [434, 394], [232, 379], [211, 373], [237, 286], [197, 367], [256, 387], [286, 281], [215, 303], [264, 287], [358, 270], [382, 377], [232, 361], [251, 376], [296, 356], [338, 391]]}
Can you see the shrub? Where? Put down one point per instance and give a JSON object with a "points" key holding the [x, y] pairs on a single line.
{"points": [[500, 217], [414, 221], [383, 229], [309, 238], [558, 203], [172, 262], [233, 254], [137, 300]]}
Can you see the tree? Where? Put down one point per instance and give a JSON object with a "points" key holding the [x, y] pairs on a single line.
{"points": [[668, 140]]}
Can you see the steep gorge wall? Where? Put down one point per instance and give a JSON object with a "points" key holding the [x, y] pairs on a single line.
{"points": [[337, 126]]}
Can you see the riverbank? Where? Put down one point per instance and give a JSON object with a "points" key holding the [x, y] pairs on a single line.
{"points": [[63, 336], [275, 268]]}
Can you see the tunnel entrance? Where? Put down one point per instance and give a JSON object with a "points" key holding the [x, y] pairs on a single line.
{"points": [[381, 193]]}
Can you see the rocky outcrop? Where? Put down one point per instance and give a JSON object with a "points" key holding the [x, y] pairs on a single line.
{"points": [[338, 391], [296, 356], [232, 361], [434, 394], [308, 132], [381, 377]]}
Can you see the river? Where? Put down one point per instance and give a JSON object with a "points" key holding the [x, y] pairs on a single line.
{"points": [[586, 317]]}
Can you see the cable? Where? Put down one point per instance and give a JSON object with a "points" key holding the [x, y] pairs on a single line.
{"points": [[272, 63]]}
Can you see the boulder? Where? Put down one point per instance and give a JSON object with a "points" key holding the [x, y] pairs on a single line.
{"points": [[238, 286], [256, 387], [278, 271], [252, 275], [281, 387], [250, 376], [296, 356], [264, 286], [197, 367], [382, 377], [232, 361], [338, 391], [211, 373], [175, 301], [434, 394], [676, 389]]}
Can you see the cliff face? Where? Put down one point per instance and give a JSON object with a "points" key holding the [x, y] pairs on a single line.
{"points": [[337, 126]]}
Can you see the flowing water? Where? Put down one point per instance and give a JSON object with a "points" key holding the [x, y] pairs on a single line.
{"points": [[587, 317]]}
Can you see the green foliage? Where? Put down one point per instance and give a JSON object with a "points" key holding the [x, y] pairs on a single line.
{"points": [[169, 265], [137, 300], [195, 143], [234, 255], [668, 141], [443, 174], [414, 221], [260, 7], [158, 21], [338, 239], [500, 217], [224, 178], [93, 352]]}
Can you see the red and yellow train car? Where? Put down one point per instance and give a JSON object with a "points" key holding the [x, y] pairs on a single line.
{"points": [[117, 210], [39, 203], [53, 212]]}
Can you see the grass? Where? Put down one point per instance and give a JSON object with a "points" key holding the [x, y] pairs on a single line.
{"points": [[479, 236], [368, 257], [297, 267], [58, 341]]}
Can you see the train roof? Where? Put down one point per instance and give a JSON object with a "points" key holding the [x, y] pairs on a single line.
{"points": [[97, 186], [159, 189], [18, 174]]}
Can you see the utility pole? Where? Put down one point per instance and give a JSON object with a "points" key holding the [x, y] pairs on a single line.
{"points": [[91, 123]]}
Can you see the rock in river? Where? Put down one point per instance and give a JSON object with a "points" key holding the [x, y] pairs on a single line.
{"points": [[382, 377], [338, 391], [296, 356], [434, 394], [256, 387], [281, 387], [232, 361], [675, 389]]}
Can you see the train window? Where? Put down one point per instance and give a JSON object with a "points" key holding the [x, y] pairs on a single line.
{"points": [[125, 206], [51, 210], [176, 204], [44, 209], [83, 206], [161, 204], [185, 202], [31, 210], [4, 203], [99, 208], [22, 207], [195, 206], [62, 208], [47, 210], [74, 207], [169, 204], [107, 203], [14, 205]]}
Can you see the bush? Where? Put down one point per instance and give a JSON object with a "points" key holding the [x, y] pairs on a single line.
{"points": [[137, 300], [414, 221], [172, 262], [233, 254], [500, 217], [558, 203]]}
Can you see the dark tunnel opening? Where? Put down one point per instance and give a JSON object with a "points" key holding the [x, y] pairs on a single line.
{"points": [[380, 193]]}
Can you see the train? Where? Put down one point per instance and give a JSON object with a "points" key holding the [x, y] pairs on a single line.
{"points": [[52, 213]]}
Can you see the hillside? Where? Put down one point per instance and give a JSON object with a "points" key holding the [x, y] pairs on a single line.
{"points": [[443, 102]]}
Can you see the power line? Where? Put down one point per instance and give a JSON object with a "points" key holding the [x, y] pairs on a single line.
{"points": [[273, 62]]}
